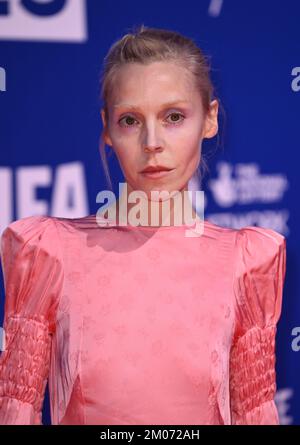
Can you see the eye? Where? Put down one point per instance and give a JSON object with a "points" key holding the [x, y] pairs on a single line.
{"points": [[127, 118], [177, 114], [130, 120]]}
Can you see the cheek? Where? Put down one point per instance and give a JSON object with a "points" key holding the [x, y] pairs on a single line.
{"points": [[189, 153], [188, 142], [128, 159]]}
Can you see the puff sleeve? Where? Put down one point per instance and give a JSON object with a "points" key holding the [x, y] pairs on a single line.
{"points": [[33, 276], [258, 287]]}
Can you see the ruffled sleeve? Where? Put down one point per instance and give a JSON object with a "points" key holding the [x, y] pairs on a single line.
{"points": [[258, 287], [33, 276]]}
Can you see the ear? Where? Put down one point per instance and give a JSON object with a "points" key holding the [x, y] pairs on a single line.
{"points": [[107, 138], [210, 128]]}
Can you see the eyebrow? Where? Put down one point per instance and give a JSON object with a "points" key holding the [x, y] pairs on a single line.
{"points": [[168, 104]]}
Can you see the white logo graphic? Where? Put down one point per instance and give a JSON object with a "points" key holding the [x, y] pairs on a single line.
{"points": [[69, 197], [244, 184], [53, 20], [247, 186]]}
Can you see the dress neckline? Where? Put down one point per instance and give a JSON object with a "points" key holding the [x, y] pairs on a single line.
{"points": [[110, 223]]}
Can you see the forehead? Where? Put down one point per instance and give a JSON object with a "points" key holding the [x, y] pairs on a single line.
{"points": [[159, 82]]}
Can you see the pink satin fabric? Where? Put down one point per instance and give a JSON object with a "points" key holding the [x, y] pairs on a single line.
{"points": [[138, 325]]}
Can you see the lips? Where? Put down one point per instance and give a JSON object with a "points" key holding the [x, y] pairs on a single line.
{"points": [[157, 173], [157, 168]]}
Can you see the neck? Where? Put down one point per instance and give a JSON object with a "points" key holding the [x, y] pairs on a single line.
{"points": [[167, 210]]}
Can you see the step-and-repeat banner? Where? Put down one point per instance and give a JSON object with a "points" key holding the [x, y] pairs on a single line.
{"points": [[51, 54]]}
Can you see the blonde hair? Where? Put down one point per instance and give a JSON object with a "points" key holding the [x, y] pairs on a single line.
{"points": [[146, 45]]}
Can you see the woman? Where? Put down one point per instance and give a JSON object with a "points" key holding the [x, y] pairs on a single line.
{"points": [[141, 324]]}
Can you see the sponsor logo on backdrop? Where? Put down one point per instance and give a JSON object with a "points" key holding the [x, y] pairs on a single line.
{"points": [[242, 185], [43, 190], [56, 20]]}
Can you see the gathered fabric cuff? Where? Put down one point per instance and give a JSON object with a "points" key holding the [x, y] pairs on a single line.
{"points": [[24, 368], [253, 378]]}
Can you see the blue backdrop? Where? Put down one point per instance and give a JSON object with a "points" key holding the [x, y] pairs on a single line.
{"points": [[51, 55]]}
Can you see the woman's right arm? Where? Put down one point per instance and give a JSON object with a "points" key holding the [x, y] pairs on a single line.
{"points": [[33, 276]]}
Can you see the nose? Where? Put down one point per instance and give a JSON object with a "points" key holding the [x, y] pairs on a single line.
{"points": [[151, 140], [151, 148]]}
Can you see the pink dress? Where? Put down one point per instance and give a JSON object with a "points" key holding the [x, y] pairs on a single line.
{"points": [[135, 325]]}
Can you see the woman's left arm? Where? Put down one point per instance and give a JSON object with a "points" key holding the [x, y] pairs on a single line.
{"points": [[258, 288]]}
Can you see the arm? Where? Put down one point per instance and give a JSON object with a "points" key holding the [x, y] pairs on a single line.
{"points": [[258, 287], [33, 276]]}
